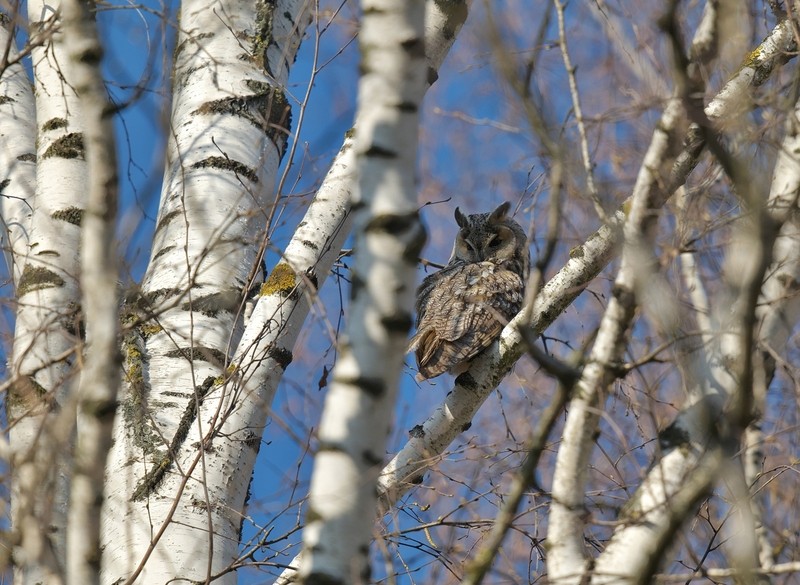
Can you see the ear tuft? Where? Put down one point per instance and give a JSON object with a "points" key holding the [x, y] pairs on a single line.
{"points": [[499, 214], [461, 219]]}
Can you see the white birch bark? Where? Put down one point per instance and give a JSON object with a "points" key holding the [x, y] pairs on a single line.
{"points": [[389, 236], [100, 376], [168, 514], [47, 320], [17, 155]]}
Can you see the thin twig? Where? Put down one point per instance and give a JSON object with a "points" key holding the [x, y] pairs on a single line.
{"points": [[588, 167]]}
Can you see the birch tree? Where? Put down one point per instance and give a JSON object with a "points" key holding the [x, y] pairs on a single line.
{"points": [[226, 416]]}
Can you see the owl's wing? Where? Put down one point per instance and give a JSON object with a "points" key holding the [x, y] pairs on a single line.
{"points": [[462, 314]]}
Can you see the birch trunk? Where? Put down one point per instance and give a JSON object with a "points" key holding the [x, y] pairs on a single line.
{"points": [[174, 503], [97, 393], [389, 237], [48, 316], [17, 155]]}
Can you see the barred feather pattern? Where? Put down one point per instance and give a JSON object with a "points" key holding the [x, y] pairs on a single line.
{"points": [[462, 308]]}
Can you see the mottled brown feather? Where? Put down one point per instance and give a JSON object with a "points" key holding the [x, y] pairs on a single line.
{"points": [[462, 308], [463, 315]]}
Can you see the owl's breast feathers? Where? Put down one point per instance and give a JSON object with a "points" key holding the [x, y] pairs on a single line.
{"points": [[461, 310]]}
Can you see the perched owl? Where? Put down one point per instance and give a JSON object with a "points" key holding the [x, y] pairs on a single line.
{"points": [[462, 308]]}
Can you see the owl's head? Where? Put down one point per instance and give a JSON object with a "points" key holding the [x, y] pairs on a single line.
{"points": [[493, 237]]}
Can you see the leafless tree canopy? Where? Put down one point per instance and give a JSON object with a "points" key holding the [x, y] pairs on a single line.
{"points": [[215, 216]]}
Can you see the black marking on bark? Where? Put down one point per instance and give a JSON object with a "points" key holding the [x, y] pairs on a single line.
{"points": [[155, 476], [191, 39], [433, 75], [72, 320], [73, 215], [414, 47], [577, 252], [673, 436], [279, 117], [100, 409], [134, 406], [398, 323], [318, 578], [267, 108], [282, 356], [4, 99], [37, 278], [252, 440], [146, 301], [312, 515], [370, 458], [162, 251], [263, 39], [27, 157], [380, 152], [418, 432], [68, 146], [227, 164], [199, 353], [357, 284], [392, 223], [624, 295], [3, 184], [330, 447], [467, 381], [311, 276], [408, 107], [91, 55], [455, 10], [413, 250], [375, 387], [166, 219], [466, 426], [417, 479], [210, 305], [54, 124], [366, 571]]}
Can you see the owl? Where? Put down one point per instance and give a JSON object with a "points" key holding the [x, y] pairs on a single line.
{"points": [[462, 308]]}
